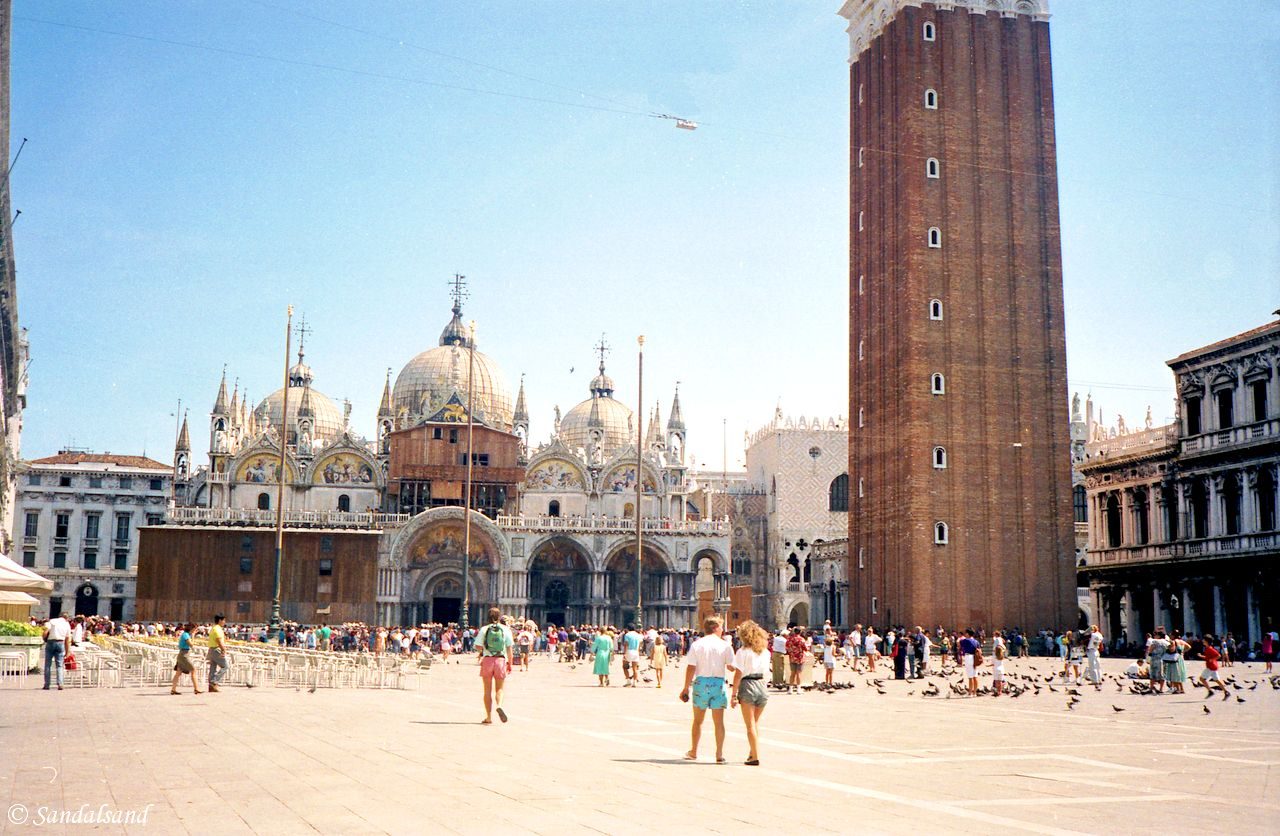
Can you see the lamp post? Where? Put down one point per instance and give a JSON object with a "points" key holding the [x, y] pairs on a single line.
{"points": [[639, 485], [284, 440], [465, 616]]}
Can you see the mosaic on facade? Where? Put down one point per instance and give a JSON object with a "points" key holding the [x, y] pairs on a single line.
{"points": [[554, 475], [344, 469]]}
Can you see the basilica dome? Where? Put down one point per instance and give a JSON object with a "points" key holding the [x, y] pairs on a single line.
{"points": [[427, 381], [328, 415], [615, 419]]}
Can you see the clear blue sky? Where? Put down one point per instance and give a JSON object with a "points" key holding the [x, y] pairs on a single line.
{"points": [[175, 199]]}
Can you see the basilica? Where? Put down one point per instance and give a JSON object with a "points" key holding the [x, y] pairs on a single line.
{"points": [[375, 528]]}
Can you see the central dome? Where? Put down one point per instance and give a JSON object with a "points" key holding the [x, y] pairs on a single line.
{"points": [[427, 381], [615, 419], [328, 415]]}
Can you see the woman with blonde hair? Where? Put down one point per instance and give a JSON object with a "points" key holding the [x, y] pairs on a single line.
{"points": [[750, 665], [658, 657]]}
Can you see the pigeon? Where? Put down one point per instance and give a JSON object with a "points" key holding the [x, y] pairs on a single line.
{"points": [[248, 685], [1073, 692], [1054, 690], [1205, 709], [1117, 709], [1071, 706], [1239, 699], [311, 690]]}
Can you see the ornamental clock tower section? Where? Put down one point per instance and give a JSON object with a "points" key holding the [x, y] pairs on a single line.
{"points": [[959, 450]]}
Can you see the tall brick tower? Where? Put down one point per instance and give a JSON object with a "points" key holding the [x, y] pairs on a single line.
{"points": [[959, 453]]}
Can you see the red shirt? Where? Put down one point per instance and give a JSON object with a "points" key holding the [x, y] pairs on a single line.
{"points": [[796, 648], [1211, 657]]}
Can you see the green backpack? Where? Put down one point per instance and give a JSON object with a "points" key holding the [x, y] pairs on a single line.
{"points": [[495, 644]]}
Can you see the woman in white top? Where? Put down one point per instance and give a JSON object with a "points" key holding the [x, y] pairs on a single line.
{"points": [[750, 665]]}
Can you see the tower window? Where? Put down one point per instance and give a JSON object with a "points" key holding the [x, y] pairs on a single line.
{"points": [[860, 345], [935, 237], [859, 94], [860, 282], [860, 151], [935, 309], [937, 384], [860, 217], [860, 491], [861, 556], [940, 533], [860, 417], [932, 168], [930, 33], [939, 458], [931, 99]]}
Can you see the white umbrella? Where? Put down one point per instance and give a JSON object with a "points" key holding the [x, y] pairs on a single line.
{"points": [[15, 578]]}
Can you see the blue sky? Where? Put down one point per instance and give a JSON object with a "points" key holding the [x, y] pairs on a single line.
{"points": [[175, 199]]}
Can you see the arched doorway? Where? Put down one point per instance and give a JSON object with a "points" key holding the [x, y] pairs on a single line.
{"points": [[87, 599], [660, 587], [433, 560], [799, 616], [559, 583]]}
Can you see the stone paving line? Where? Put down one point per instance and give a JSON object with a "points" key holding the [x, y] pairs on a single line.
{"points": [[576, 758]]}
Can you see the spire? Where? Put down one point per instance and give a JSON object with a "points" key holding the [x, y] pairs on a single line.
{"points": [[220, 404], [184, 437], [594, 420], [455, 333], [522, 410], [384, 408], [234, 410], [676, 421], [305, 409], [602, 384]]}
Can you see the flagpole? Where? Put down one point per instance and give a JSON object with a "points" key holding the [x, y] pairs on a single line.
{"points": [[284, 441], [466, 544]]}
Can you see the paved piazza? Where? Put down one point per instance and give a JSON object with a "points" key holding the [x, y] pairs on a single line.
{"points": [[577, 758]]}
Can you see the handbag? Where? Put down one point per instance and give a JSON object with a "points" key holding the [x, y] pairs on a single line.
{"points": [[977, 657]]}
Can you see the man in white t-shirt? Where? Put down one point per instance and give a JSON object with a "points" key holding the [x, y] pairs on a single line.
{"points": [[57, 643], [778, 669], [77, 630], [855, 642], [707, 660]]}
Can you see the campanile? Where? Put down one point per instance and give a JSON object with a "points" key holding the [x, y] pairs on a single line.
{"points": [[959, 453]]}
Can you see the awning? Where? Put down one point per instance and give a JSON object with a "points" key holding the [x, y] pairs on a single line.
{"points": [[19, 599], [15, 578]]}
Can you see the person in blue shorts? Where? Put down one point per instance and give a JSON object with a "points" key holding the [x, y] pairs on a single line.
{"points": [[704, 676]]}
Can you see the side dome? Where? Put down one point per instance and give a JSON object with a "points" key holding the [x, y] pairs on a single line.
{"points": [[427, 381], [615, 422], [328, 415]]}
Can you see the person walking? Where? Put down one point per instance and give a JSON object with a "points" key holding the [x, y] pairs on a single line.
{"points": [[631, 657], [217, 655], [998, 653], [57, 644], [1155, 660], [750, 664], [706, 664], [1092, 656], [854, 643], [797, 647], [778, 669], [524, 641], [872, 647], [968, 649], [184, 664], [602, 647], [1212, 661], [658, 657], [495, 649]]}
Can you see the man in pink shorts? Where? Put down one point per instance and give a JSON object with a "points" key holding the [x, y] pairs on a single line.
{"points": [[494, 643]]}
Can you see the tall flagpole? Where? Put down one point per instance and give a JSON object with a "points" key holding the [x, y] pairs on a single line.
{"points": [[639, 486], [466, 539], [284, 441]]}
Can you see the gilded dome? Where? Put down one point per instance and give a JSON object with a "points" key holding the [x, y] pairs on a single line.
{"points": [[429, 379]]}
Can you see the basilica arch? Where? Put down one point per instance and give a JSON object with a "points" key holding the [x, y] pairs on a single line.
{"points": [[429, 549], [669, 598], [560, 582]]}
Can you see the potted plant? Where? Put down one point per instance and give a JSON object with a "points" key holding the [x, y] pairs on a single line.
{"points": [[16, 636]]}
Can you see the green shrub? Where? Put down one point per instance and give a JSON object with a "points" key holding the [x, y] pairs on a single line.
{"points": [[17, 628]]}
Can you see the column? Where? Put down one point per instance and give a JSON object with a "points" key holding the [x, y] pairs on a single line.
{"points": [[1219, 612], [1251, 618], [1097, 597], [1159, 514], [1190, 621], [1248, 501], [1128, 619], [1157, 609], [1128, 525], [1214, 491]]}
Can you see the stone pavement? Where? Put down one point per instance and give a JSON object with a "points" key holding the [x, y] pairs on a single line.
{"points": [[577, 758]]}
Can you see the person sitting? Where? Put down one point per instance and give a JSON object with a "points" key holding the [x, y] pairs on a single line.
{"points": [[1137, 669]]}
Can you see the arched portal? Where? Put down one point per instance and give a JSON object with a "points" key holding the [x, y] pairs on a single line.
{"points": [[86, 599], [432, 555], [660, 587], [559, 583], [799, 615]]}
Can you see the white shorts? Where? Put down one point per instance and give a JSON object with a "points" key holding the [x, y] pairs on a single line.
{"points": [[829, 665], [998, 666], [631, 656], [968, 666], [1208, 674]]}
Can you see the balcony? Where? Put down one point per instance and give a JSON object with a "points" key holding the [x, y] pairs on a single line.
{"points": [[120, 543], [1230, 545], [1141, 443], [90, 542], [613, 525], [293, 518], [1244, 435]]}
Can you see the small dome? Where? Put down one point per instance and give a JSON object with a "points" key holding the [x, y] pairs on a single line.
{"points": [[328, 415], [615, 418]]}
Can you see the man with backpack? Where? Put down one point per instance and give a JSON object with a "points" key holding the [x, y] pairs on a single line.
{"points": [[494, 642]]}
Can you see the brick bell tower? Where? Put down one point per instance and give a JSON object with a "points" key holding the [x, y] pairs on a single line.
{"points": [[959, 449]]}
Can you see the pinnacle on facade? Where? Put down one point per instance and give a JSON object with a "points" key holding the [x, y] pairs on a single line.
{"points": [[305, 409], [234, 409], [594, 419], [522, 411], [676, 421], [184, 437], [384, 408], [653, 437], [220, 403]]}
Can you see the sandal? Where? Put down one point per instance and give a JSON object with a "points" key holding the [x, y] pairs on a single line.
{"points": [[721, 760], [690, 756], [502, 715], [752, 762], [173, 692]]}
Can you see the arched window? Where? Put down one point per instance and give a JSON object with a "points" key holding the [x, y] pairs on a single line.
{"points": [[860, 280], [935, 309], [264, 501], [860, 152], [553, 508], [741, 564], [860, 215], [931, 99], [860, 491], [935, 237], [937, 384], [930, 33], [932, 168], [860, 94], [838, 493], [940, 533], [860, 347], [344, 503], [860, 417], [861, 557], [940, 458]]}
